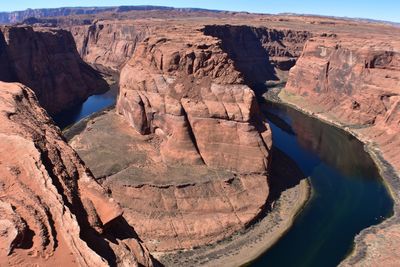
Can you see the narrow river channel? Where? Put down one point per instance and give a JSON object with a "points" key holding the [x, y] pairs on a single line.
{"points": [[347, 192]]}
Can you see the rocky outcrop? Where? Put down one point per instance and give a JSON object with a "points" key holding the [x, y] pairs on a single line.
{"points": [[187, 91], [47, 61], [185, 216], [52, 210], [260, 53], [108, 44]]}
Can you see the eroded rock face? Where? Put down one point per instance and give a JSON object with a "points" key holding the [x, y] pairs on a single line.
{"points": [[170, 207], [355, 82], [47, 61], [109, 44], [52, 210], [187, 91], [184, 90], [190, 215], [260, 53]]}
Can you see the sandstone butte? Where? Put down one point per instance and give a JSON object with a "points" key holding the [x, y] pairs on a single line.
{"points": [[186, 78], [185, 89]]}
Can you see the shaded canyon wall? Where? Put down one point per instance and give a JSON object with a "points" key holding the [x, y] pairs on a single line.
{"points": [[47, 61]]}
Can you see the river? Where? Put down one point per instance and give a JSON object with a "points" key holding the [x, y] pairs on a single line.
{"points": [[348, 194]]}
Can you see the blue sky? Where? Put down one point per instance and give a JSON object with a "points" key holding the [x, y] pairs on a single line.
{"points": [[374, 9]]}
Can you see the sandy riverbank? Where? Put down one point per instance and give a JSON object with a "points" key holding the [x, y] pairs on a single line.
{"points": [[376, 244]]}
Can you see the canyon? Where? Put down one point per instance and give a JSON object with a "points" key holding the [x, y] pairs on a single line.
{"points": [[46, 60], [354, 83], [184, 159]]}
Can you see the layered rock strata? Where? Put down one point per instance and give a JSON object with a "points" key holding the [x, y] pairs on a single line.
{"points": [[171, 207], [184, 90], [52, 210], [261, 54], [109, 44], [354, 82], [188, 92], [47, 61]]}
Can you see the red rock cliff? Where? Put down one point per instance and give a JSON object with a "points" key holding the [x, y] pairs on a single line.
{"points": [[260, 53], [52, 210], [354, 81], [47, 61], [182, 87], [187, 90], [109, 44]]}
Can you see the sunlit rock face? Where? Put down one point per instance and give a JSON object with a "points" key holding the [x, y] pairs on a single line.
{"points": [[353, 81], [189, 93], [184, 89], [52, 210]]}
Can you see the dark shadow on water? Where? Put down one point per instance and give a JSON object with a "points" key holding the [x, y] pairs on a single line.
{"points": [[284, 174], [348, 193], [93, 104]]}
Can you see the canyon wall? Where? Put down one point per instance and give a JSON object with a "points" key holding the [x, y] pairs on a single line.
{"points": [[260, 53], [108, 44], [354, 82], [53, 212], [47, 61], [187, 91]]}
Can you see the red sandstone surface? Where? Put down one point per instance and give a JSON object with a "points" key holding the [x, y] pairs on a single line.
{"points": [[52, 210], [171, 207], [186, 90], [354, 81]]}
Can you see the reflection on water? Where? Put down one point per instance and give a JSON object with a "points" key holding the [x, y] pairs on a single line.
{"points": [[332, 145], [91, 105], [348, 194]]}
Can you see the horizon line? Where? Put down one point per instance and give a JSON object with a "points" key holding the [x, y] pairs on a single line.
{"points": [[367, 19]]}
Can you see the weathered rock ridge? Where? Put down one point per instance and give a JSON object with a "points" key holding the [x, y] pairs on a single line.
{"points": [[52, 210], [170, 207], [47, 61], [182, 89]]}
